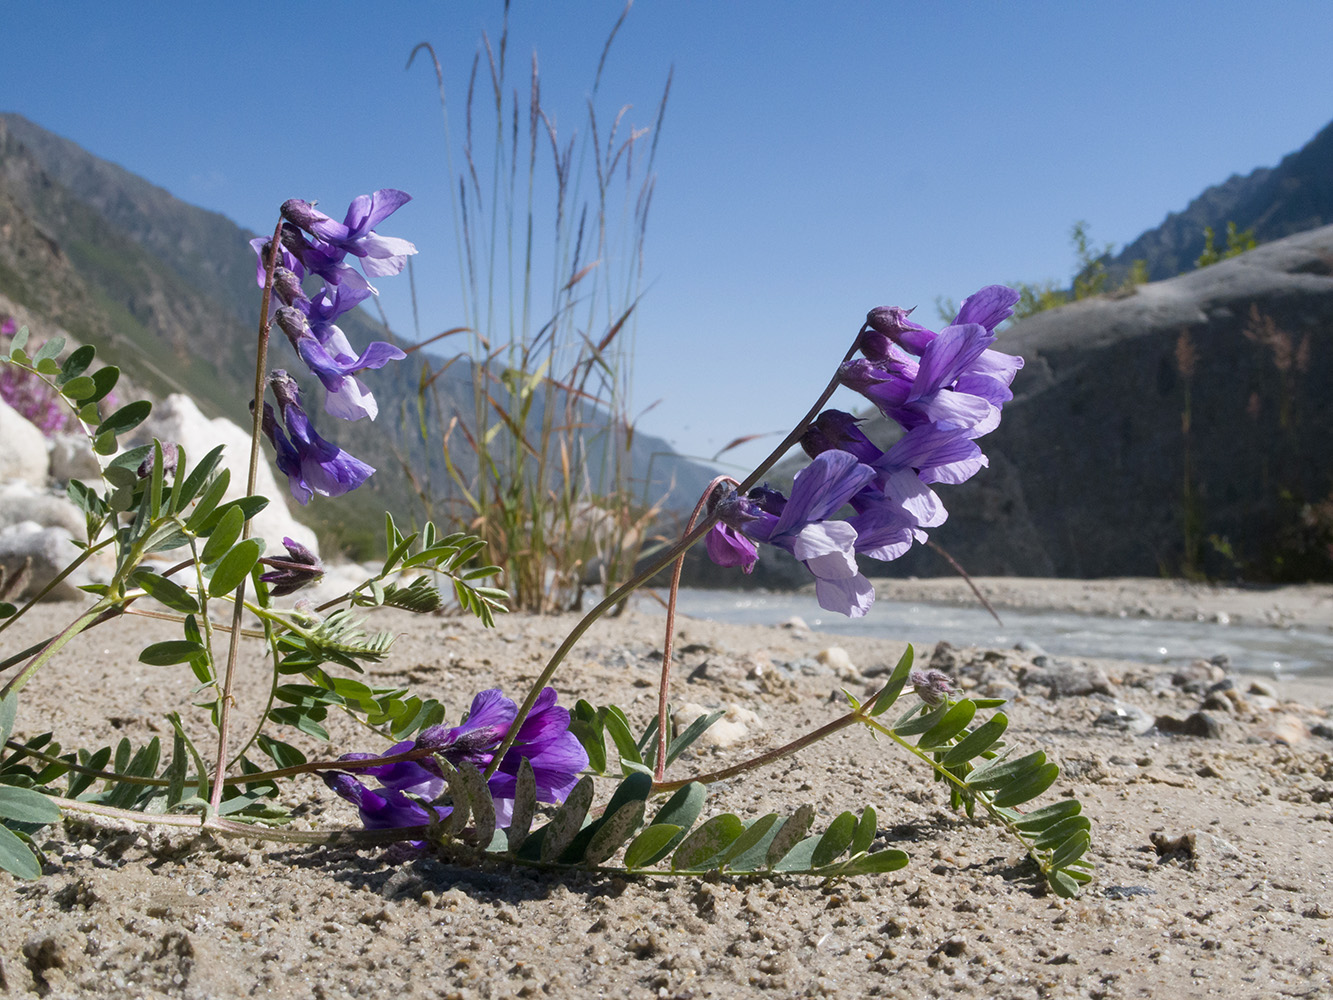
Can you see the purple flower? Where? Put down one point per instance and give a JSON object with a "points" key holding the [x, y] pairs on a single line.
{"points": [[311, 464], [801, 524], [989, 374], [555, 754], [336, 366], [301, 567], [380, 255]]}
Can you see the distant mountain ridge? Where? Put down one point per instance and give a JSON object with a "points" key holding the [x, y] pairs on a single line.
{"points": [[167, 290], [1294, 196]]}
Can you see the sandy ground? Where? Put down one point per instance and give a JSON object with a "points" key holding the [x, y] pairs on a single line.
{"points": [[1214, 873]]}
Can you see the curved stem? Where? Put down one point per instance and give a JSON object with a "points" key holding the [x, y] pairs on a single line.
{"points": [[37, 598], [56, 643], [662, 561], [238, 608], [659, 768]]}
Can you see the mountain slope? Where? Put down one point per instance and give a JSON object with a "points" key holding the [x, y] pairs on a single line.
{"points": [[167, 290], [1292, 197]]}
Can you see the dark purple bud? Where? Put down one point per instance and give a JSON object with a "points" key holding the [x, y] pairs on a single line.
{"points": [[932, 686], [168, 462], [288, 287], [284, 387], [289, 575]]}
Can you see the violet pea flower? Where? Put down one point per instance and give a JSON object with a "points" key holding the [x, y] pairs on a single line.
{"points": [[380, 255], [312, 465], [335, 366]]}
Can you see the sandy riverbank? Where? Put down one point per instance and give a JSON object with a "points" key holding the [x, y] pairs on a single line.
{"points": [[1242, 906]]}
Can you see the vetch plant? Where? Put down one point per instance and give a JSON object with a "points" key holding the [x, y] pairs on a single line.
{"points": [[477, 788]]}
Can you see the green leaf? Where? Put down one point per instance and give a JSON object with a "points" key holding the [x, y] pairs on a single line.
{"points": [[1055, 835], [1027, 787], [165, 591], [790, 834], [9, 706], [999, 773], [250, 506], [894, 687], [48, 350], [924, 722], [653, 843], [7, 610], [23, 805], [1040, 819], [872, 864], [75, 365], [209, 501], [525, 805], [77, 388], [161, 654], [758, 835], [1071, 850], [223, 536], [282, 754], [866, 830], [79, 783], [798, 858], [616, 828], [16, 857], [954, 721], [613, 719], [977, 742], [567, 821], [19, 342], [105, 379], [194, 482], [479, 798], [128, 417], [692, 732], [234, 567], [594, 743], [707, 842], [155, 482], [835, 840], [681, 810], [1063, 885]]}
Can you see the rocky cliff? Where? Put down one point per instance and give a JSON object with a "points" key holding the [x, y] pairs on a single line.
{"points": [[1184, 426]]}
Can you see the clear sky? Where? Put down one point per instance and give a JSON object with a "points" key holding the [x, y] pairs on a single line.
{"points": [[816, 159]]}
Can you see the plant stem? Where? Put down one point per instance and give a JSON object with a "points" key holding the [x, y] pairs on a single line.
{"points": [[663, 684], [238, 609], [664, 560]]}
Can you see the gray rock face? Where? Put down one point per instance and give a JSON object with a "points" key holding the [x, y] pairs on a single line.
{"points": [[1218, 378]]}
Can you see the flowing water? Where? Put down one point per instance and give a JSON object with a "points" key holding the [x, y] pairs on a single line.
{"points": [[1254, 649]]}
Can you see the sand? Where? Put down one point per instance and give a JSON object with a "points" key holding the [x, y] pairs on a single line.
{"points": [[1214, 874]]}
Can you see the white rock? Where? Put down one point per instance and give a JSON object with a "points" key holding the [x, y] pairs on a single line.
{"points": [[732, 728], [839, 661], [23, 454], [72, 458], [47, 551], [21, 502], [177, 419]]}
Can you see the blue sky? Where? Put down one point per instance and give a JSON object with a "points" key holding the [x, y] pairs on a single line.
{"points": [[816, 160]]}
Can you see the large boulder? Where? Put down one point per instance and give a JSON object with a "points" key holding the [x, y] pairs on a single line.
{"points": [[23, 454], [1184, 425], [177, 419]]}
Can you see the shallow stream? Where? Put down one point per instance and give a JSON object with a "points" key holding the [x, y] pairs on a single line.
{"points": [[1255, 649]]}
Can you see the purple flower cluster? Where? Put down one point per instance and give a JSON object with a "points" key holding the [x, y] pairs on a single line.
{"points": [[28, 395], [943, 389], [313, 244], [407, 787]]}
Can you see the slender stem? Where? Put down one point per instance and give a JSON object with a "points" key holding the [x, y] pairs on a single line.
{"points": [[764, 759], [663, 684], [655, 567], [37, 598], [238, 609], [55, 644], [310, 767]]}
